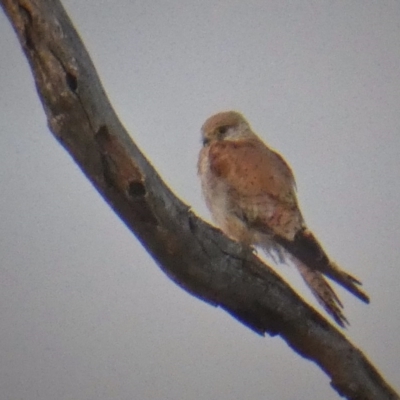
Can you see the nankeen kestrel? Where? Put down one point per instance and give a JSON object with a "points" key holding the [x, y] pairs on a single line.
{"points": [[250, 191]]}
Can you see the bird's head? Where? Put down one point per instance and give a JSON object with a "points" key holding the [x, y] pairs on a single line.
{"points": [[228, 125]]}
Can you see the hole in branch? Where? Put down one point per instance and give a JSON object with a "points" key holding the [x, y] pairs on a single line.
{"points": [[136, 189], [72, 82]]}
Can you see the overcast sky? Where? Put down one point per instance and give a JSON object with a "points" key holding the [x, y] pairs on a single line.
{"points": [[85, 312]]}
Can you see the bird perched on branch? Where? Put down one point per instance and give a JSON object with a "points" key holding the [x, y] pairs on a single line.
{"points": [[250, 191]]}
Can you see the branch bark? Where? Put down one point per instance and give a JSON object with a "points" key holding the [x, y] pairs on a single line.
{"points": [[193, 254]]}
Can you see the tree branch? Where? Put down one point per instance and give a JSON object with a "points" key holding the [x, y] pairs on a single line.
{"points": [[196, 256]]}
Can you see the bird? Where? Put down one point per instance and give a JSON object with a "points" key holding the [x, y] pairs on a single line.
{"points": [[250, 191]]}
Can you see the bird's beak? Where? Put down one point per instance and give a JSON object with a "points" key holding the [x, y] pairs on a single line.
{"points": [[206, 141]]}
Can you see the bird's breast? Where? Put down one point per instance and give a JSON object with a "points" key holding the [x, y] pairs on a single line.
{"points": [[215, 190]]}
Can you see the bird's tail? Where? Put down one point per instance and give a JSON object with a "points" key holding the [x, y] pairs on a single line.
{"points": [[323, 292], [307, 249]]}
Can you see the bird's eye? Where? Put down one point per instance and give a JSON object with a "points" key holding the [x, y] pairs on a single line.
{"points": [[222, 130]]}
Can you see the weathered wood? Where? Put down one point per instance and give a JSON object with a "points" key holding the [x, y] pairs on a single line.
{"points": [[193, 254]]}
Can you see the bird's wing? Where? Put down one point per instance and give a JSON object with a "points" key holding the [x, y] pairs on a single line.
{"points": [[262, 193], [305, 247], [261, 185]]}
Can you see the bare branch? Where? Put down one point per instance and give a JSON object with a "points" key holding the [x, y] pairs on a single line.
{"points": [[192, 253]]}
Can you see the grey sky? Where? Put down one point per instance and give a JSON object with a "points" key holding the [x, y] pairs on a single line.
{"points": [[85, 313]]}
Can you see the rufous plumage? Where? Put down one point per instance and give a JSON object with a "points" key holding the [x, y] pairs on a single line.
{"points": [[250, 191]]}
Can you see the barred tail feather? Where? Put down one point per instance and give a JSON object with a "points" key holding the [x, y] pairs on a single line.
{"points": [[322, 291], [307, 249]]}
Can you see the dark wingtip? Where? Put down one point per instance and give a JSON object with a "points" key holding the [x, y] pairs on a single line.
{"points": [[364, 298], [349, 282], [306, 248]]}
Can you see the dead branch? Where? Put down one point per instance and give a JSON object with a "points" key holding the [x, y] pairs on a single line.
{"points": [[193, 254]]}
